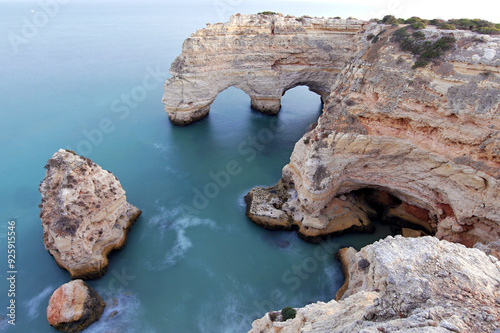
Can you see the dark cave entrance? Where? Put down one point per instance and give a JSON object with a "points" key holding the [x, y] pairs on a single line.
{"points": [[402, 217]]}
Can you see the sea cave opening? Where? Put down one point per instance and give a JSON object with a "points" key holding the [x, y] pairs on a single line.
{"points": [[385, 207]]}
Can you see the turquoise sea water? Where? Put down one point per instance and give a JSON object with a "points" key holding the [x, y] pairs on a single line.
{"points": [[90, 78]]}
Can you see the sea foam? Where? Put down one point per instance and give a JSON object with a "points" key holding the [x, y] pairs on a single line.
{"points": [[33, 305], [175, 221]]}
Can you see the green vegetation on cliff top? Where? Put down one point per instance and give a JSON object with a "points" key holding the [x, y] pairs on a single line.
{"points": [[476, 25], [425, 50]]}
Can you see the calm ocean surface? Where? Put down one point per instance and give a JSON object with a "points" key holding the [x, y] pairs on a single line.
{"points": [[90, 78]]}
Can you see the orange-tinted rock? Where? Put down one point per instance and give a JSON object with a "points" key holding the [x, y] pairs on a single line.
{"points": [[426, 136], [74, 306]]}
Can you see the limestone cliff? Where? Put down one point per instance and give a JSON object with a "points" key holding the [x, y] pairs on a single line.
{"points": [[406, 285], [262, 55], [85, 214], [418, 147], [429, 137]]}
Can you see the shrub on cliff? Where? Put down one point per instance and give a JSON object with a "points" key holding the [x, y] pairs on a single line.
{"points": [[418, 25], [288, 313], [436, 22], [415, 19], [477, 25], [418, 35], [446, 26], [267, 12], [425, 51], [390, 19], [489, 30]]}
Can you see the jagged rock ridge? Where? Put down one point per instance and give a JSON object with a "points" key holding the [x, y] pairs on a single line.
{"points": [[406, 285], [85, 214]]}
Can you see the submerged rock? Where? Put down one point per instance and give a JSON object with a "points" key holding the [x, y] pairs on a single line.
{"points": [[406, 285], [74, 306], [85, 214]]}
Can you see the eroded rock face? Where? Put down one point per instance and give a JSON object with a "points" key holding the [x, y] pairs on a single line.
{"points": [[74, 306], [85, 214], [491, 248], [263, 55], [430, 137], [270, 208], [407, 285]]}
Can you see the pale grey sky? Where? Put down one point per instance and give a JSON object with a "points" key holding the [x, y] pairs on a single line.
{"points": [[362, 9], [446, 9]]}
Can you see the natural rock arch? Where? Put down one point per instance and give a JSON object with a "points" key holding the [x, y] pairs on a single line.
{"points": [[430, 136], [262, 55]]}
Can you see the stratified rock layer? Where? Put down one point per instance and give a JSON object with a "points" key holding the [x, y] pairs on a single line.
{"points": [[74, 306], [85, 214], [406, 285], [263, 55], [429, 137]]}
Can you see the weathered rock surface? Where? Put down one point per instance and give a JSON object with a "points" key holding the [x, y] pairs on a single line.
{"points": [[263, 55], [491, 248], [430, 137], [74, 306], [266, 207], [423, 143], [407, 285], [85, 214]]}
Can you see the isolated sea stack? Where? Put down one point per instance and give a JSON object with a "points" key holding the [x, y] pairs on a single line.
{"points": [[74, 306], [85, 214]]}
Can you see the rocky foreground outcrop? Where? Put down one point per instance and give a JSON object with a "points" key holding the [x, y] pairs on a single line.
{"points": [[406, 285], [263, 55], [74, 306], [85, 214]]}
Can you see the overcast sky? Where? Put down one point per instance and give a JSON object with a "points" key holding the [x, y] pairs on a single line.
{"points": [[366, 9], [362, 9]]}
